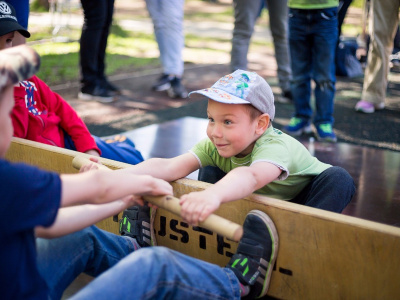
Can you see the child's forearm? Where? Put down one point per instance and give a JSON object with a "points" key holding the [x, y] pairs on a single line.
{"points": [[75, 218], [101, 186]]}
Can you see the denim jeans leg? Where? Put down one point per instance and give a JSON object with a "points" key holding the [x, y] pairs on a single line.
{"points": [[331, 190], [210, 174], [90, 250], [161, 273], [325, 41], [167, 17], [300, 46]]}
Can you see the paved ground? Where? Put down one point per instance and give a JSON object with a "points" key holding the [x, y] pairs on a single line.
{"points": [[139, 106]]}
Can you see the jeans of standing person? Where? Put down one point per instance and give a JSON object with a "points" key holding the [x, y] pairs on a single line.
{"points": [[167, 17], [384, 21], [148, 273], [97, 21], [313, 36], [90, 250], [331, 190], [246, 14]]}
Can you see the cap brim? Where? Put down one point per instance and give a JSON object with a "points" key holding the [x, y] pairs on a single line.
{"points": [[10, 26], [220, 96]]}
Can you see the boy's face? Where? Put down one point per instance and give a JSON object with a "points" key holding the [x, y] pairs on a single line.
{"points": [[6, 127], [6, 40], [231, 129]]}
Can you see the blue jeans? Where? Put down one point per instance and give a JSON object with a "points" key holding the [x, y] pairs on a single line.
{"points": [[148, 273], [313, 38], [331, 190], [167, 16]]}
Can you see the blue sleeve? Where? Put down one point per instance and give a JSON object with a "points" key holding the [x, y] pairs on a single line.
{"points": [[29, 197]]}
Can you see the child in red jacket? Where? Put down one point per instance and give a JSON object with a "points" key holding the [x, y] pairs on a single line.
{"points": [[43, 116]]}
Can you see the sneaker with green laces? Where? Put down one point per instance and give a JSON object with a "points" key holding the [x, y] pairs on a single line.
{"points": [[256, 254], [297, 126], [325, 133], [135, 223]]}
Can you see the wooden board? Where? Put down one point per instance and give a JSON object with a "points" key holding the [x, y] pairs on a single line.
{"points": [[321, 254]]}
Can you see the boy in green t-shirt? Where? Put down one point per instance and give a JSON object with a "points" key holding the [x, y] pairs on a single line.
{"points": [[256, 157]]}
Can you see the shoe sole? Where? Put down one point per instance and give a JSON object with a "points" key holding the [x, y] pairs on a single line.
{"points": [[329, 139], [274, 234], [88, 97], [171, 94], [162, 88], [307, 129]]}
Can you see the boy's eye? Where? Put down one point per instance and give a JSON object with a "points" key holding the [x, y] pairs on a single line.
{"points": [[227, 122], [210, 119]]}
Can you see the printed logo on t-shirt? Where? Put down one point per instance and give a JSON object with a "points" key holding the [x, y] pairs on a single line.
{"points": [[30, 102]]}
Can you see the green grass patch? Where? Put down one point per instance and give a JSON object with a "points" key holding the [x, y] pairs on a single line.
{"points": [[126, 52]]}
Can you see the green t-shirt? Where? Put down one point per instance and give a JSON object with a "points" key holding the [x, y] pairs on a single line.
{"points": [[288, 154], [313, 4]]}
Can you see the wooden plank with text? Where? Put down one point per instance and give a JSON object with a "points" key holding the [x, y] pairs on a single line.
{"points": [[321, 254]]}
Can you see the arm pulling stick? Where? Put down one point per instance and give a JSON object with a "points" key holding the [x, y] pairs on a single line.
{"points": [[214, 223]]}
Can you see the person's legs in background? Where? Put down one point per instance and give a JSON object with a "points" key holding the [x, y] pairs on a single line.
{"points": [[324, 49], [300, 46], [167, 17], [384, 21], [90, 250], [278, 19], [91, 44], [245, 13]]}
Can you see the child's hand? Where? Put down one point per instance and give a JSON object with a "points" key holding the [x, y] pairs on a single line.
{"points": [[93, 165], [157, 187], [133, 200], [93, 152], [197, 206]]}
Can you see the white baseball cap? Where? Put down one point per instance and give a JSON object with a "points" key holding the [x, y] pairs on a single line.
{"points": [[242, 87]]}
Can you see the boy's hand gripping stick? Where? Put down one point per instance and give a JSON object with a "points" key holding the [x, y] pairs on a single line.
{"points": [[213, 222]]}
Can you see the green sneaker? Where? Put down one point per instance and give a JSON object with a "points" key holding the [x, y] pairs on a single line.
{"points": [[297, 126], [325, 133], [256, 254]]}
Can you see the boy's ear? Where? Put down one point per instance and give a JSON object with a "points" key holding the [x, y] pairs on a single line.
{"points": [[262, 123]]}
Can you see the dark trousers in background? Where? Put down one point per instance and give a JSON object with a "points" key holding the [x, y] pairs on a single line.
{"points": [[97, 21]]}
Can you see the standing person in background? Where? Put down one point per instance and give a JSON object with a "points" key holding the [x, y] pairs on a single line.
{"points": [[167, 17], [246, 14], [22, 18], [383, 24], [93, 43], [313, 35]]}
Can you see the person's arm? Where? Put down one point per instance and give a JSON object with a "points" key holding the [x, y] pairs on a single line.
{"points": [[102, 186], [75, 218], [169, 169], [237, 184]]}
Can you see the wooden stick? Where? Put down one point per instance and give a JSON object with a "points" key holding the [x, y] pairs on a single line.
{"points": [[214, 223]]}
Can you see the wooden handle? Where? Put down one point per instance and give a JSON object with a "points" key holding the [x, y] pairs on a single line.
{"points": [[214, 223]]}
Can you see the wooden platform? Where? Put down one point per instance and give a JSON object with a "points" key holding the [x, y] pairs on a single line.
{"points": [[321, 254]]}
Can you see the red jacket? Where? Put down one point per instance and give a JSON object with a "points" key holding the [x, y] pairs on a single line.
{"points": [[40, 115]]}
